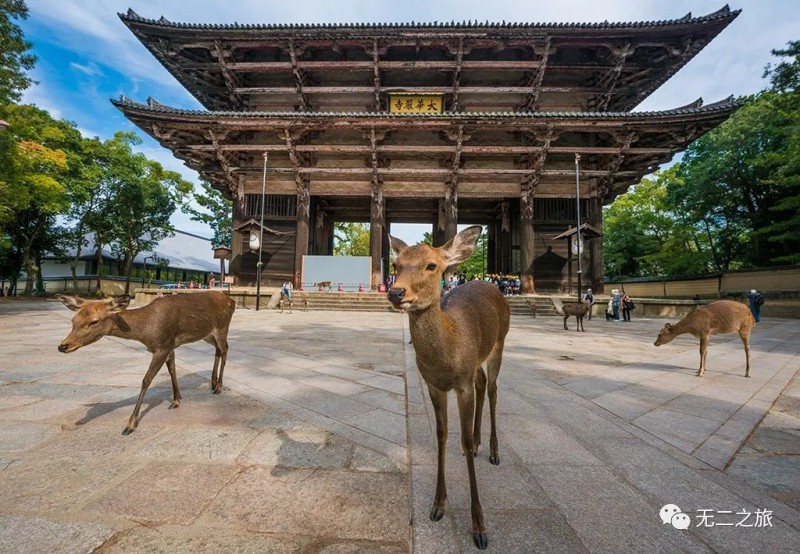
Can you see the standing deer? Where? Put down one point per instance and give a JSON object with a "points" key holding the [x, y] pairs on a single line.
{"points": [[717, 318], [162, 326], [452, 338], [579, 311]]}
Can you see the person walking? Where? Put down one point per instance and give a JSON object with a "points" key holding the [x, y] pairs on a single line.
{"points": [[589, 298], [286, 290], [756, 300], [627, 306]]}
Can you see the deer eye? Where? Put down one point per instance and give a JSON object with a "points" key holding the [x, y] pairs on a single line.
{"points": [[431, 267], [94, 322]]}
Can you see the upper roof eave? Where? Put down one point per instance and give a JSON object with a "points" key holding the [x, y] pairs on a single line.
{"points": [[725, 106], [724, 15]]}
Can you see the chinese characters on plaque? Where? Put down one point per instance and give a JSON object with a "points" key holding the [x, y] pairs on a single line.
{"points": [[416, 103]]}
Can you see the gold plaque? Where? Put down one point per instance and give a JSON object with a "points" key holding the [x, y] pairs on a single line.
{"points": [[416, 103]]}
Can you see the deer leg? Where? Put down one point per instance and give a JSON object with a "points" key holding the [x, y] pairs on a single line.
{"points": [[580, 320], [566, 317], [176, 394], [439, 401], [217, 357], [159, 357], [224, 358], [480, 394], [466, 408], [744, 334], [703, 352], [493, 366]]}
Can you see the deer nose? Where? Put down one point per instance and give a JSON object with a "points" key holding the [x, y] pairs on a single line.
{"points": [[396, 295], [62, 347]]}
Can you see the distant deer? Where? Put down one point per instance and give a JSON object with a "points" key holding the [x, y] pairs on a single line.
{"points": [[162, 326], [577, 310], [452, 338], [717, 318]]}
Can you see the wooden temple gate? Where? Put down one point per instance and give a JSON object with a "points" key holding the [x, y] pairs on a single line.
{"points": [[516, 102]]}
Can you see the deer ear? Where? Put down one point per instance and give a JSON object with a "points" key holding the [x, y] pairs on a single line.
{"points": [[119, 303], [460, 247], [397, 245], [72, 302], [668, 326]]}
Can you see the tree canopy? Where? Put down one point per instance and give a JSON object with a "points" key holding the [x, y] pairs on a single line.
{"points": [[15, 58], [733, 201]]}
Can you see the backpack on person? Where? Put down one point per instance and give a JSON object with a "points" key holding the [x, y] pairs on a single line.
{"points": [[759, 300]]}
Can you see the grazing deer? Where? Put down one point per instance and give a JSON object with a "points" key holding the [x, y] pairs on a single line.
{"points": [[579, 311], [717, 318], [452, 338], [162, 326]]}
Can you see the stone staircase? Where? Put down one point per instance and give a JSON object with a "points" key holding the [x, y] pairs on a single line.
{"points": [[341, 301], [377, 302], [521, 305]]}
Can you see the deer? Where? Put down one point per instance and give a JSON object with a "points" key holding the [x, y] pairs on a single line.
{"points": [[717, 318], [162, 326], [579, 311], [452, 338]]}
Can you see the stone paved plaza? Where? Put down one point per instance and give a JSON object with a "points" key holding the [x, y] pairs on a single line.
{"points": [[323, 441]]}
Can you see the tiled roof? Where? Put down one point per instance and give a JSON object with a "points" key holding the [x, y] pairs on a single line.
{"points": [[723, 13], [695, 108]]}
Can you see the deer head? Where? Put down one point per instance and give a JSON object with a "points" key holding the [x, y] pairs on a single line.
{"points": [[665, 335], [93, 320], [419, 268]]}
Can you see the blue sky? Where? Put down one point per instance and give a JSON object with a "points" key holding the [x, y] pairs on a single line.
{"points": [[87, 56]]}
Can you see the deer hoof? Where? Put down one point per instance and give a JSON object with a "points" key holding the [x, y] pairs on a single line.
{"points": [[217, 390], [128, 430], [436, 513], [494, 459], [481, 541], [174, 404]]}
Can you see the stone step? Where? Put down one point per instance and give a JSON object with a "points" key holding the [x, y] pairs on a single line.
{"points": [[377, 302]]}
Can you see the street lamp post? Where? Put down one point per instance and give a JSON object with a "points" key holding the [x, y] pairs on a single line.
{"points": [[579, 237], [144, 263], [260, 264]]}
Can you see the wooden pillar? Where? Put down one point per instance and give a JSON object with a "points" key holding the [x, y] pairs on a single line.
{"points": [[448, 212], [301, 238], [596, 252], [491, 249], [437, 235], [320, 231], [376, 231], [526, 243]]}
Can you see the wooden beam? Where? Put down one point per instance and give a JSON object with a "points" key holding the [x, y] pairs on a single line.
{"points": [[457, 75], [230, 80], [411, 89], [610, 79], [298, 76], [535, 80], [376, 75], [424, 149]]}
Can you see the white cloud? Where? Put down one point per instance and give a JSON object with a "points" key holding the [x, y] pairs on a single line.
{"points": [[90, 69]]}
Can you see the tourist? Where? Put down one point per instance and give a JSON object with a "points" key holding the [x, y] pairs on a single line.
{"points": [[286, 290], [627, 306], [589, 298], [615, 298], [610, 310], [756, 300]]}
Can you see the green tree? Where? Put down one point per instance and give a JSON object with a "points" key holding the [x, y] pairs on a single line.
{"points": [[145, 196], [351, 239], [217, 213], [476, 263], [646, 236], [15, 57], [36, 154]]}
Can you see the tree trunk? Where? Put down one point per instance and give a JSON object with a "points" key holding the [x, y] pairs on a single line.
{"points": [[99, 245], [74, 263], [128, 264]]}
